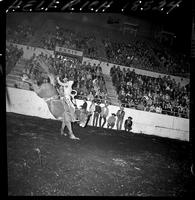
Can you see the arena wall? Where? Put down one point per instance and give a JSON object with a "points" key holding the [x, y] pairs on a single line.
{"points": [[29, 51], [28, 103]]}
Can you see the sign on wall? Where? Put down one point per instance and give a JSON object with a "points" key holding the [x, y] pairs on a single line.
{"points": [[68, 51]]}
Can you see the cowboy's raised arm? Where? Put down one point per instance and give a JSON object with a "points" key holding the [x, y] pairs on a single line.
{"points": [[71, 81]]}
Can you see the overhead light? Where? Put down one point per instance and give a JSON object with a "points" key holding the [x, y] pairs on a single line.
{"points": [[140, 1], [80, 9], [91, 8], [57, 2], [96, 10], [141, 8], [103, 10], [177, 5], [72, 8], [122, 9], [162, 9]]}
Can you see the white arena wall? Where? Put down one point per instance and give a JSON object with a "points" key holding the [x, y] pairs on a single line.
{"points": [[28, 103]]}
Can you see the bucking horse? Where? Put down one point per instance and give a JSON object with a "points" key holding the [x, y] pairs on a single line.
{"points": [[58, 107]]}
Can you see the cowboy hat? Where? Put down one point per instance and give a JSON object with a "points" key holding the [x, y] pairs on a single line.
{"points": [[65, 78]]}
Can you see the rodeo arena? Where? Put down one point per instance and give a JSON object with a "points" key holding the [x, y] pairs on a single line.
{"points": [[96, 105]]}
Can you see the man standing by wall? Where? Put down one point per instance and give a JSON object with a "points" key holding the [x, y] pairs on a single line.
{"points": [[96, 114], [83, 114], [120, 117], [111, 121], [91, 111], [84, 106], [104, 113], [128, 124]]}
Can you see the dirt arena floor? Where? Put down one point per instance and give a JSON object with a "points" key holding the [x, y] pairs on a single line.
{"points": [[104, 162]]}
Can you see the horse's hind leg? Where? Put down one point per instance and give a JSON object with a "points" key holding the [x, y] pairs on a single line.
{"points": [[71, 135], [62, 128]]}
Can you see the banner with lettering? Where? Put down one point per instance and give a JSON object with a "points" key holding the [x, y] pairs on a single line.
{"points": [[68, 51]]}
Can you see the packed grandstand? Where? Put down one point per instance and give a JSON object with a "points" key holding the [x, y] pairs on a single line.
{"points": [[162, 94]]}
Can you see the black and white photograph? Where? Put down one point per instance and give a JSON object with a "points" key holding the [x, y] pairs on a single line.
{"points": [[98, 97]]}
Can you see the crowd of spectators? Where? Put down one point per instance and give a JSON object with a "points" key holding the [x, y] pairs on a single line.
{"points": [[137, 53], [131, 54], [161, 95], [119, 52], [71, 39], [88, 80], [21, 34], [49, 39], [170, 63], [145, 55]]}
